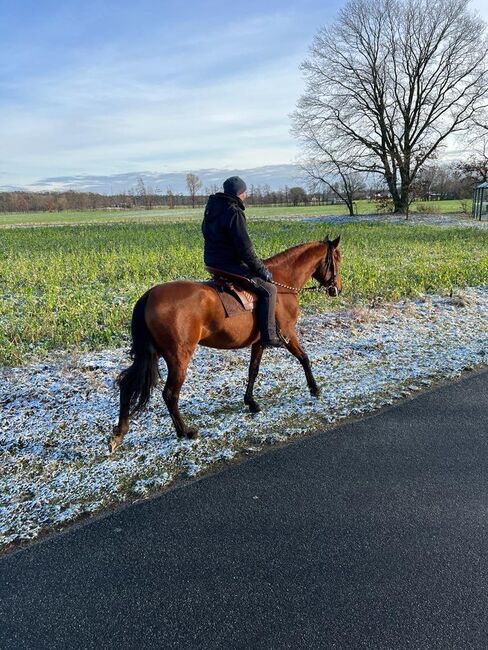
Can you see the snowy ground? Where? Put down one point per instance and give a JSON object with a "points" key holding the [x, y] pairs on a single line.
{"points": [[414, 219], [56, 416]]}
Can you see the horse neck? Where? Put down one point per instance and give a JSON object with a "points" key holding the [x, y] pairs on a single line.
{"points": [[296, 266]]}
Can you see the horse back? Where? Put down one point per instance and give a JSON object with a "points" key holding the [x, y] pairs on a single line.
{"points": [[184, 301]]}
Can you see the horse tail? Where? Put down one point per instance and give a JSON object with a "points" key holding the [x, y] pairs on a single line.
{"points": [[137, 381]]}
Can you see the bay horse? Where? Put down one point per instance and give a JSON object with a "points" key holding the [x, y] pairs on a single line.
{"points": [[171, 319]]}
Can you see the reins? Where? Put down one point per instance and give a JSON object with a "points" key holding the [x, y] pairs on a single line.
{"points": [[318, 287]]}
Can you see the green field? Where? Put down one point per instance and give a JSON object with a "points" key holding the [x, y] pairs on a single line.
{"points": [[74, 287], [188, 214]]}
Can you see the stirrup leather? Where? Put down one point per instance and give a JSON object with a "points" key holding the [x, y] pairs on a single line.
{"points": [[282, 337]]}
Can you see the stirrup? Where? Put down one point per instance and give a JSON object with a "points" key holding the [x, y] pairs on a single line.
{"points": [[279, 341], [272, 343]]}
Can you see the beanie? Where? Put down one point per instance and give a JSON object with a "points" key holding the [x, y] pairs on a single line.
{"points": [[234, 185]]}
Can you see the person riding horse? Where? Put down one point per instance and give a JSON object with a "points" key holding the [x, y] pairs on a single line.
{"points": [[229, 248]]}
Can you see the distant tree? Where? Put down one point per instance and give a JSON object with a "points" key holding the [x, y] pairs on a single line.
{"points": [[131, 197], [212, 189], [297, 195], [193, 184], [338, 176], [433, 182], [251, 195], [389, 81], [170, 198], [286, 194], [141, 191], [266, 192], [476, 166], [157, 198]]}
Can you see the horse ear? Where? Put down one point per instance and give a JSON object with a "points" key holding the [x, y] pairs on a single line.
{"points": [[336, 241], [326, 239]]}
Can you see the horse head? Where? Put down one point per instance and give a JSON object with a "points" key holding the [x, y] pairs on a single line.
{"points": [[327, 272]]}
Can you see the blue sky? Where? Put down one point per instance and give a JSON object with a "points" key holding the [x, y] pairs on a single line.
{"points": [[112, 87]]}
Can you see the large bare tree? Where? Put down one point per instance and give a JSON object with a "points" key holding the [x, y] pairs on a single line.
{"points": [[389, 81]]}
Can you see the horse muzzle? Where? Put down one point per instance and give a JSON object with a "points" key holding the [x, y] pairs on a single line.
{"points": [[333, 291]]}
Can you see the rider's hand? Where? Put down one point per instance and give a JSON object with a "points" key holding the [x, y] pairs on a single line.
{"points": [[267, 275]]}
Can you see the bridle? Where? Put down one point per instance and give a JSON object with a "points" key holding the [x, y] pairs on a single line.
{"points": [[330, 267]]}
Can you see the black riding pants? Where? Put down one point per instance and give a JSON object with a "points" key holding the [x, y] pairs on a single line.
{"points": [[266, 299]]}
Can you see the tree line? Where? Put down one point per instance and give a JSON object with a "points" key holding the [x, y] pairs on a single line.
{"points": [[435, 181]]}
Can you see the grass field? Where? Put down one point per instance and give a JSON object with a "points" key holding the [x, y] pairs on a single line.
{"points": [[188, 214], [75, 286]]}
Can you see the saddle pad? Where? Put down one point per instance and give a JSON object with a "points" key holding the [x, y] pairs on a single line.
{"points": [[234, 301]]}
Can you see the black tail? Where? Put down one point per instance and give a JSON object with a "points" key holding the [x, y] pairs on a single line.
{"points": [[137, 381]]}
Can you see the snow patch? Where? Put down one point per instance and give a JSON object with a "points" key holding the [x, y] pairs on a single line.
{"points": [[58, 414]]}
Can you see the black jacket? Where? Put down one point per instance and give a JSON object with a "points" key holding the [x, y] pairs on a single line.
{"points": [[224, 228]]}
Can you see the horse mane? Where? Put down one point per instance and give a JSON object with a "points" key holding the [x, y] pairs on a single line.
{"points": [[290, 254]]}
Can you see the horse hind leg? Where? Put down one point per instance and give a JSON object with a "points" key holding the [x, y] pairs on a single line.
{"points": [[136, 384], [120, 430], [171, 393]]}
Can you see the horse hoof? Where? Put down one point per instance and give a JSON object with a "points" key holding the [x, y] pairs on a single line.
{"points": [[113, 443], [192, 434], [254, 407], [116, 438], [315, 391]]}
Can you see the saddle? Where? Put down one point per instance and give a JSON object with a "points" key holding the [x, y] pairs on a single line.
{"points": [[236, 292]]}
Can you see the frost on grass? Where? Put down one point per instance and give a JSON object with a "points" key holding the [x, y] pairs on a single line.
{"points": [[56, 416], [414, 219]]}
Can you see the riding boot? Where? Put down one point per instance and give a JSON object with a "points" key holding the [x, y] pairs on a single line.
{"points": [[266, 313]]}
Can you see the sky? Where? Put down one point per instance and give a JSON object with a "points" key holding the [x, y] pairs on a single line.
{"points": [[111, 87]]}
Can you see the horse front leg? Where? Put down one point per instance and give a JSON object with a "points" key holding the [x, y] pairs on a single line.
{"points": [[296, 349], [256, 355]]}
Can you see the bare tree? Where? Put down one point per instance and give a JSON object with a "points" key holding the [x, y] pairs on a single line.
{"points": [[193, 184], [389, 81], [432, 182], [141, 191], [170, 198], [212, 189], [324, 167], [476, 166]]}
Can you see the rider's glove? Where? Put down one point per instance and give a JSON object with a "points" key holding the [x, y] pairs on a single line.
{"points": [[267, 275]]}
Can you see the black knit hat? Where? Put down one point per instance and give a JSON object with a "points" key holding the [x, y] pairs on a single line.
{"points": [[234, 185]]}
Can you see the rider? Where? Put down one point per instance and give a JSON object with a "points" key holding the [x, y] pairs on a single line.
{"points": [[228, 248]]}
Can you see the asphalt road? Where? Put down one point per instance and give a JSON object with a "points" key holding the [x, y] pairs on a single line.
{"points": [[372, 535]]}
